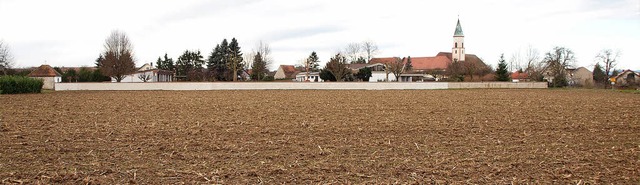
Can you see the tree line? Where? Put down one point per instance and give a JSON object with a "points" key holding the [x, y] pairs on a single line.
{"points": [[226, 62]]}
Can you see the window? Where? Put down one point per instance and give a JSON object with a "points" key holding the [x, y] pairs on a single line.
{"points": [[456, 52], [456, 45], [463, 44]]}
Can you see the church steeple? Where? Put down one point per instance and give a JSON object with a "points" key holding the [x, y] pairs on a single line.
{"points": [[457, 52], [458, 30]]}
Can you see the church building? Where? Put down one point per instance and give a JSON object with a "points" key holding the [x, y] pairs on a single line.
{"points": [[434, 67]]}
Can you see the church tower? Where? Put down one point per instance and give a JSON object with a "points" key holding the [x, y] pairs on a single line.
{"points": [[458, 44]]}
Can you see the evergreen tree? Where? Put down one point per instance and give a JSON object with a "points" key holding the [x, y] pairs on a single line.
{"points": [[408, 66], [326, 75], [189, 61], [99, 61], [97, 75], [217, 61], [234, 63], [598, 75], [259, 68], [502, 74], [85, 75], [166, 63], [70, 75], [360, 60], [313, 61], [364, 74]]}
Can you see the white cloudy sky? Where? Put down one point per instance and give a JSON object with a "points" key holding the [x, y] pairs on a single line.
{"points": [[72, 33]]}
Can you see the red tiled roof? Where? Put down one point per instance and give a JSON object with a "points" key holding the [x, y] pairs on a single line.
{"points": [[382, 60], [519, 75], [439, 62], [429, 63], [289, 70], [44, 71]]}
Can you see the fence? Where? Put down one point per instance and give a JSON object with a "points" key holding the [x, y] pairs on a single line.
{"points": [[293, 85]]}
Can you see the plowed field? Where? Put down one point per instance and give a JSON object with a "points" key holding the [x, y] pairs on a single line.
{"points": [[304, 137]]}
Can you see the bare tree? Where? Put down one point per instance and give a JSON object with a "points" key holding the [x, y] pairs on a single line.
{"points": [[397, 67], [265, 51], [370, 49], [352, 52], [609, 61], [118, 54], [144, 77], [470, 69], [337, 66], [6, 60], [515, 63], [248, 59], [556, 62], [534, 67]]}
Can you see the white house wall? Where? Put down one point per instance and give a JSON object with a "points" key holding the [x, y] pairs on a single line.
{"points": [[292, 85], [134, 78], [381, 76]]}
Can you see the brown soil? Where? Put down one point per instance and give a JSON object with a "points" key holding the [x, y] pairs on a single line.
{"points": [[304, 137]]}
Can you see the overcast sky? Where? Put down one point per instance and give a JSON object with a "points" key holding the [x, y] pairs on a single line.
{"points": [[72, 33]]}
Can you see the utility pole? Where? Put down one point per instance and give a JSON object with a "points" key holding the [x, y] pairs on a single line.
{"points": [[234, 65]]}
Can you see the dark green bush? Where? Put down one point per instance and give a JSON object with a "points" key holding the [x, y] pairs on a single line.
{"points": [[20, 84], [268, 78]]}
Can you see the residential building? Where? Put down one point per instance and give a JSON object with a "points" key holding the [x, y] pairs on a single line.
{"points": [[519, 76], [580, 77], [313, 77], [626, 79], [48, 75], [147, 73], [286, 72]]}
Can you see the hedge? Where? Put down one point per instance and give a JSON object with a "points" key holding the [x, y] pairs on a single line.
{"points": [[20, 84]]}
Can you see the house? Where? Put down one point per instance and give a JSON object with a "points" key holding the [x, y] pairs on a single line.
{"points": [[430, 68], [378, 73], [48, 75], [519, 76], [147, 73], [626, 79], [580, 77], [286, 72], [313, 77]]}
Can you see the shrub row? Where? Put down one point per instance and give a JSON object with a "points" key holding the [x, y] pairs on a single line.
{"points": [[20, 84]]}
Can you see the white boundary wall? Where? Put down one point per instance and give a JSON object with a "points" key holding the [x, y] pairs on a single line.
{"points": [[293, 85]]}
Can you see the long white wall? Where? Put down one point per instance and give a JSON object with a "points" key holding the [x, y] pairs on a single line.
{"points": [[292, 85]]}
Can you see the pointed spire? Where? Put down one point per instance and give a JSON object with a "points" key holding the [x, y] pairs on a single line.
{"points": [[458, 29]]}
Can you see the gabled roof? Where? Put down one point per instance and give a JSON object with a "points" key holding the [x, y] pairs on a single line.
{"points": [[625, 72], [289, 71], [468, 57], [357, 66], [429, 63], [383, 60], [519, 75], [440, 62], [146, 66], [44, 71], [458, 31]]}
